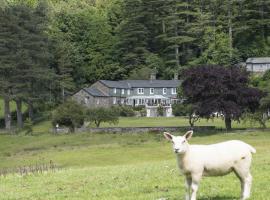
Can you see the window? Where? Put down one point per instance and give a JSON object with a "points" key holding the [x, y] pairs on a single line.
{"points": [[114, 100], [128, 91], [122, 91], [122, 101], [98, 102], [164, 90], [152, 90], [140, 90], [173, 90], [114, 90]]}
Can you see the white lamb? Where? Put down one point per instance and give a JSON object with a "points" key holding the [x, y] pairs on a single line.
{"points": [[218, 159]]}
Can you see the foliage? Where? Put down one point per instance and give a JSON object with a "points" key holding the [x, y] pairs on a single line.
{"points": [[220, 89], [28, 126], [102, 115], [124, 111], [69, 114], [185, 109], [179, 110], [257, 117], [160, 111]]}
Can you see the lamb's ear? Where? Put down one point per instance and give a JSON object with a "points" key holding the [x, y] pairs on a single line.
{"points": [[188, 135], [168, 136]]}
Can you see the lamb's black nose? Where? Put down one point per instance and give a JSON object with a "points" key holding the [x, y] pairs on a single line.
{"points": [[176, 150]]}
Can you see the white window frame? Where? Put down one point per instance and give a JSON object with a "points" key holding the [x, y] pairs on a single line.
{"points": [[140, 90], [122, 91], [152, 90], [128, 91], [114, 90], [164, 90], [174, 91]]}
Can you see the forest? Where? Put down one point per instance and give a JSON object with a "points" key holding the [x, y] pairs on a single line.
{"points": [[51, 48]]}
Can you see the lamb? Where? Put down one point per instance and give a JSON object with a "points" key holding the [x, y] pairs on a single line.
{"points": [[196, 161]]}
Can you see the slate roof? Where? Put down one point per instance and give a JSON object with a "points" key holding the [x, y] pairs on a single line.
{"points": [[259, 60], [141, 83], [95, 92]]}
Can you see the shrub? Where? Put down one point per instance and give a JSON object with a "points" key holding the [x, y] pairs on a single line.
{"points": [[99, 115], [69, 114], [160, 111], [179, 110], [125, 111]]}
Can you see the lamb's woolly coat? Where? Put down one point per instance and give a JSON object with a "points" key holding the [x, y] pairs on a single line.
{"points": [[216, 159]]}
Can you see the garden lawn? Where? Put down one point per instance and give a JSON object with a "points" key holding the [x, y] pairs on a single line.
{"points": [[119, 167]]}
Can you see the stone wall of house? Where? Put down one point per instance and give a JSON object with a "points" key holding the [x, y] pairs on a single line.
{"points": [[88, 100]]}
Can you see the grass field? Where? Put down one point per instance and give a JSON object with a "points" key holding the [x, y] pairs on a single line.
{"points": [[118, 167]]}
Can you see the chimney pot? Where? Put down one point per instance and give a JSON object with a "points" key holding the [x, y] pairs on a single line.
{"points": [[176, 76]]}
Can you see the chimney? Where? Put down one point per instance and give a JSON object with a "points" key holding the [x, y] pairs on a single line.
{"points": [[175, 76], [153, 76]]}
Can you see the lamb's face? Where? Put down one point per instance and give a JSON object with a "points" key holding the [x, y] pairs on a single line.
{"points": [[180, 143]]}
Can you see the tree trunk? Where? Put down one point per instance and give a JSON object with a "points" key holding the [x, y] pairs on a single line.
{"points": [[30, 110], [163, 26], [7, 113], [177, 62], [228, 123], [19, 113], [191, 123]]}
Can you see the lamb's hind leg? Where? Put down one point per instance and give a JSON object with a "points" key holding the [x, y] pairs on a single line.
{"points": [[245, 177]]}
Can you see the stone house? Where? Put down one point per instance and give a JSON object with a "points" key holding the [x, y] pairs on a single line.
{"points": [[259, 65], [149, 93]]}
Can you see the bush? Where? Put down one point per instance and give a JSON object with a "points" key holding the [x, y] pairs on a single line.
{"points": [[125, 111], [139, 108], [179, 110], [99, 115], [160, 111], [69, 114]]}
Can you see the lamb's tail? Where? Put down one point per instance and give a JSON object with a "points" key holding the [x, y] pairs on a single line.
{"points": [[251, 148]]}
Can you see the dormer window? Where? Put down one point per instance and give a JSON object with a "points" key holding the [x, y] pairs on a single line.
{"points": [[114, 90], [164, 90], [174, 91], [140, 91], [122, 91], [128, 91]]}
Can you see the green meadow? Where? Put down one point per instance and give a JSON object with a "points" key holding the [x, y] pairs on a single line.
{"points": [[119, 166]]}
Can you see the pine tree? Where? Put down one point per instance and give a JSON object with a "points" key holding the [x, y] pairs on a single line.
{"points": [[132, 46]]}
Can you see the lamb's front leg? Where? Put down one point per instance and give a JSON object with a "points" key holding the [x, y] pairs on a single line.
{"points": [[195, 185], [188, 185]]}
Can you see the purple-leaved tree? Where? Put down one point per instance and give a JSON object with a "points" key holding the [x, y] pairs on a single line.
{"points": [[213, 88]]}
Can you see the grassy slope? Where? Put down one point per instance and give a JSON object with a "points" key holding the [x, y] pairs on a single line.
{"points": [[107, 166]]}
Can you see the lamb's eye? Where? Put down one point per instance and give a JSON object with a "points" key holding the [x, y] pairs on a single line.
{"points": [[183, 141]]}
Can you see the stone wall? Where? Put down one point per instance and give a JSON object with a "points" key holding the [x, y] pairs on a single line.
{"points": [[143, 129]]}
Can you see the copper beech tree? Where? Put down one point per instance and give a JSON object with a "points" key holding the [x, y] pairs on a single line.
{"points": [[226, 90]]}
